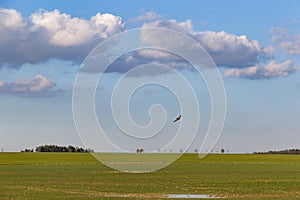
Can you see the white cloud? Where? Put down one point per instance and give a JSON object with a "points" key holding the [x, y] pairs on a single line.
{"points": [[226, 49], [64, 30], [184, 27], [272, 70], [37, 86], [155, 54], [51, 34], [146, 17], [12, 19], [289, 43]]}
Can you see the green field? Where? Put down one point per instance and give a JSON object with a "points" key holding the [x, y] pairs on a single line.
{"points": [[81, 176]]}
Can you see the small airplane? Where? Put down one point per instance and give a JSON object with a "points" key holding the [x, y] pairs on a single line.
{"points": [[178, 118]]}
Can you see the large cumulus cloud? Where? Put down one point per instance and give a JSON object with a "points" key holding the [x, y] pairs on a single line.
{"points": [[227, 50], [51, 34]]}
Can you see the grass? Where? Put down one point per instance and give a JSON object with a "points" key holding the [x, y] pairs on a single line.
{"points": [[81, 176]]}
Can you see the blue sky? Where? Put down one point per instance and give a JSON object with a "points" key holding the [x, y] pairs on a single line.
{"points": [[255, 45]]}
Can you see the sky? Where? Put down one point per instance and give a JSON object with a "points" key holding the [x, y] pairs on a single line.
{"points": [[45, 45]]}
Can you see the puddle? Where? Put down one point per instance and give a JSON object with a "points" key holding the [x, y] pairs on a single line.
{"points": [[192, 196]]}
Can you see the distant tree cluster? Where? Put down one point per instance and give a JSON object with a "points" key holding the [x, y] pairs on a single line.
{"points": [[286, 151], [55, 148], [28, 150]]}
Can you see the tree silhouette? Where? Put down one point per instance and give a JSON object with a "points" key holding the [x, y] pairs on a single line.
{"points": [[286, 151], [55, 148], [222, 150], [139, 150]]}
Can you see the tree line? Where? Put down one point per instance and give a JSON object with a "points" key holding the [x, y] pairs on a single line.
{"points": [[56, 148], [286, 151]]}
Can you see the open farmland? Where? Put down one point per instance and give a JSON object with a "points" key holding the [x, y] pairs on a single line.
{"points": [[80, 176]]}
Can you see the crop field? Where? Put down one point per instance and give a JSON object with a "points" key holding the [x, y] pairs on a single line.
{"points": [[81, 176]]}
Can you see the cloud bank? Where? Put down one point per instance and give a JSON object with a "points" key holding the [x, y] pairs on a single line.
{"points": [[51, 34], [227, 50]]}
